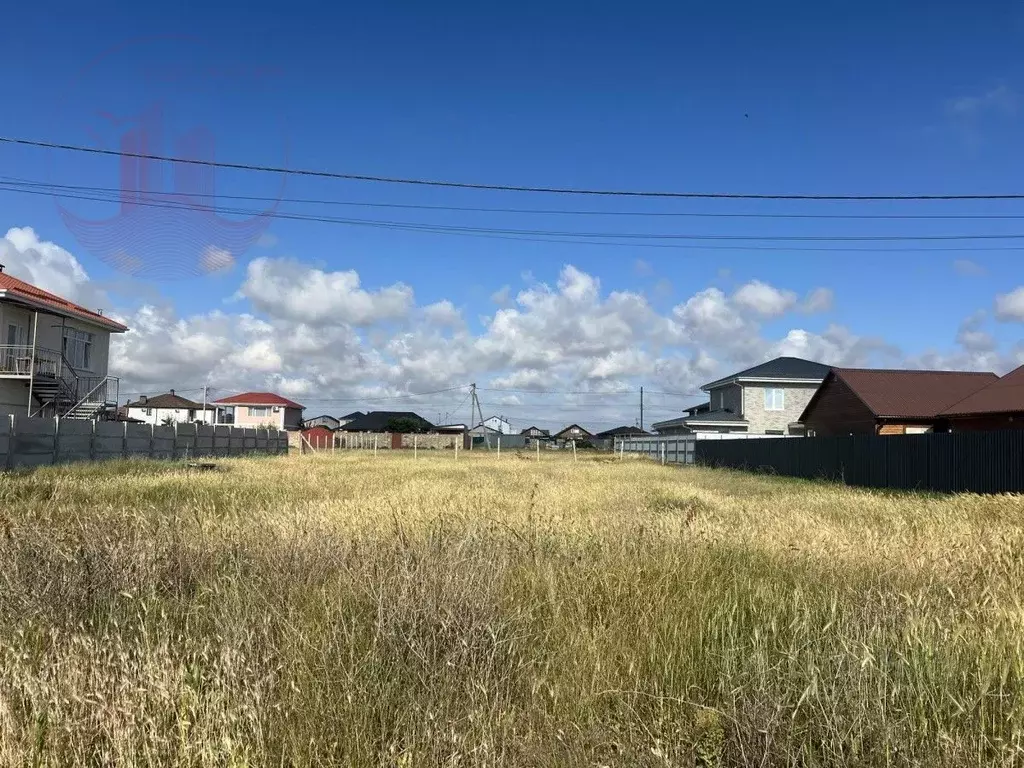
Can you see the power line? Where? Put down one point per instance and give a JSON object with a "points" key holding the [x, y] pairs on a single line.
{"points": [[54, 188], [573, 238], [492, 187]]}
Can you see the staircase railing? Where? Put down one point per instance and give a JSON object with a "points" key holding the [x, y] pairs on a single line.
{"points": [[97, 389]]}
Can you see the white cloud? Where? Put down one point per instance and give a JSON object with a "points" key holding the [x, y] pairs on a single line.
{"points": [[968, 268], [443, 314], [48, 266], [643, 268], [764, 299], [216, 260], [1010, 306], [1001, 98], [973, 337], [818, 300], [290, 290], [503, 296]]}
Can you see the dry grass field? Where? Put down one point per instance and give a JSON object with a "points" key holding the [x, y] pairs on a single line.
{"points": [[502, 612]]}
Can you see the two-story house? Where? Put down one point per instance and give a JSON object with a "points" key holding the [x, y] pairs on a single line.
{"points": [[767, 399], [499, 424], [260, 409], [53, 354], [169, 408]]}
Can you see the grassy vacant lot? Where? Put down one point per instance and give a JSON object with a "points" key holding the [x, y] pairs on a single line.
{"points": [[313, 610]]}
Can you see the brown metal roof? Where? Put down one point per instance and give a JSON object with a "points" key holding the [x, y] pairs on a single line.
{"points": [[1005, 395], [911, 394]]}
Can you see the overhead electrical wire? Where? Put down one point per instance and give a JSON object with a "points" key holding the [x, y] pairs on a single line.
{"points": [[55, 189], [585, 238], [492, 187]]}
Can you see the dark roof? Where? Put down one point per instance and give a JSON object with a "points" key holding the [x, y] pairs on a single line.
{"points": [[169, 400], [528, 430], [321, 416], [907, 394], [719, 414], [1004, 395], [377, 421], [703, 407], [350, 416], [566, 429], [779, 368], [258, 398], [622, 431]]}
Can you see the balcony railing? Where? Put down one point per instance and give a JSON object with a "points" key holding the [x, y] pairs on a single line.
{"points": [[98, 389]]}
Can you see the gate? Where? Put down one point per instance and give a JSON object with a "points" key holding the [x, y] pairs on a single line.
{"points": [[396, 441]]}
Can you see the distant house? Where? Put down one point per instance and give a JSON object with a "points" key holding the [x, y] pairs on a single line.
{"points": [[535, 432], [169, 407], [385, 421], [862, 401], [572, 432], [997, 405], [766, 399], [343, 420], [483, 429], [328, 422], [499, 424], [260, 409], [610, 434]]}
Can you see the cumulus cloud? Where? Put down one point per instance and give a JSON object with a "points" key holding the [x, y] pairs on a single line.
{"points": [[1010, 306], [764, 299], [290, 290], [48, 266], [443, 314], [216, 260], [1000, 98]]}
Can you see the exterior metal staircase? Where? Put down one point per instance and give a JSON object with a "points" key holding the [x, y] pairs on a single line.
{"points": [[57, 388]]}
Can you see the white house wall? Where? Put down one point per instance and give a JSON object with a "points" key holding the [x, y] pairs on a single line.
{"points": [[177, 415]]}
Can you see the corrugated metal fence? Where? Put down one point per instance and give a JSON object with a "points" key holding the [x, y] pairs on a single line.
{"points": [[974, 462], [679, 449]]}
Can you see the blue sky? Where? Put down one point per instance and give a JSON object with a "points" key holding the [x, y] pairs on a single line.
{"points": [[805, 98]]}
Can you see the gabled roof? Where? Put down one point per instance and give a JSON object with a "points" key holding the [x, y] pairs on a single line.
{"points": [[906, 394], [258, 398], [528, 430], [377, 421], [168, 400], [566, 429], [1004, 395], [320, 418], [784, 368], [702, 408], [350, 416], [717, 415], [617, 431], [18, 290]]}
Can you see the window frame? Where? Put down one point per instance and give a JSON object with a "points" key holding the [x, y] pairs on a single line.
{"points": [[75, 341], [770, 404], [264, 411]]}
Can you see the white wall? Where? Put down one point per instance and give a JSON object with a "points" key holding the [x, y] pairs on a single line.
{"points": [[50, 335], [177, 415]]}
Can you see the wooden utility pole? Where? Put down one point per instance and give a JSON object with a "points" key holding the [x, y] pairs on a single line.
{"points": [[641, 409], [476, 402]]}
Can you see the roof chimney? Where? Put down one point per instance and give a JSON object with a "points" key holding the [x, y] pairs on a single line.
{"points": [[143, 398], [1, 267], [172, 393]]}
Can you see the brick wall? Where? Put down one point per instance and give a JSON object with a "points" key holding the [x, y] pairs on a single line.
{"points": [[760, 421]]}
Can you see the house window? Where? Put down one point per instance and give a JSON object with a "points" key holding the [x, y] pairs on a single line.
{"points": [[775, 399], [259, 411], [774, 432], [720, 398], [149, 411], [77, 348]]}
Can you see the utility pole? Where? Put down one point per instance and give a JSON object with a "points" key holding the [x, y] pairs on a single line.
{"points": [[641, 409], [205, 388], [475, 401]]}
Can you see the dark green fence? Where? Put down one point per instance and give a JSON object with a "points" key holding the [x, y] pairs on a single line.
{"points": [[973, 462]]}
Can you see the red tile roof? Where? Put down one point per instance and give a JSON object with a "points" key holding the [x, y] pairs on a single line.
{"points": [[911, 394], [258, 398], [19, 289], [1005, 395]]}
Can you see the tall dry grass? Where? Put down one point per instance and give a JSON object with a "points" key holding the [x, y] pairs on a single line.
{"points": [[351, 611]]}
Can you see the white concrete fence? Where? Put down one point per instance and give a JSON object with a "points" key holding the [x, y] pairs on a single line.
{"points": [[28, 442], [678, 449]]}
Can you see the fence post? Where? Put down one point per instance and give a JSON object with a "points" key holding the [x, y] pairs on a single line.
{"points": [[375, 446], [56, 439], [414, 443], [457, 449], [10, 446], [499, 446], [538, 450], [574, 450]]}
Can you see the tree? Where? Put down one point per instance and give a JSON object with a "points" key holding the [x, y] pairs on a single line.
{"points": [[167, 421], [405, 425]]}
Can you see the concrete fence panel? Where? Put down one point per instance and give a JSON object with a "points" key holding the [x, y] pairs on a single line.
{"points": [[74, 440], [108, 440], [138, 440], [221, 440], [6, 429], [184, 441], [34, 442], [204, 440], [249, 440], [163, 442]]}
